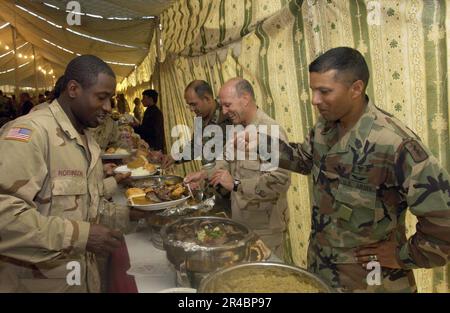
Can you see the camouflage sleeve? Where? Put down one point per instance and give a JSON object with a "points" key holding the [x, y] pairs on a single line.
{"points": [[269, 180], [426, 187], [297, 157], [26, 234], [115, 136]]}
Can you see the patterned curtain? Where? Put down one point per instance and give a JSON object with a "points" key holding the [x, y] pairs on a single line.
{"points": [[271, 43]]}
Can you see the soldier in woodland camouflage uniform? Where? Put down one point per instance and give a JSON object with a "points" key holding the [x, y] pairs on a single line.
{"points": [[52, 188], [200, 100], [367, 169], [258, 196]]}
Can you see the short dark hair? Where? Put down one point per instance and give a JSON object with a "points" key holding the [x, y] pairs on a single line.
{"points": [[346, 61], [85, 70], [152, 94], [200, 87], [244, 86]]}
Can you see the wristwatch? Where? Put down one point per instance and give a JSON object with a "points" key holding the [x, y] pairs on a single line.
{"points": [[236, 184]]}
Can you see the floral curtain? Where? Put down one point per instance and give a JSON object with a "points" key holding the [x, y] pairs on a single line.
{"points": [[271, 43]]}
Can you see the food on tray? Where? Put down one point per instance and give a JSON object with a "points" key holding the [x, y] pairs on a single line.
{"points": [[141, 200], [140, 171], [113, 150], [265, 280], [150, 167], [157, 194], [139, 166], [207, 233], [140, 152], [137, 162], [134, 192]]}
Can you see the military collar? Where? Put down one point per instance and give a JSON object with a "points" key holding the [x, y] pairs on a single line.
{"points": [[63, 120], [257, 117], [66, 125], [358, 134], [217, 117]]}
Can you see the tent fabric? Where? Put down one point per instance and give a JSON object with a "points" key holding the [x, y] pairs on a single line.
{"points": [[136, 34], [271, 43]]}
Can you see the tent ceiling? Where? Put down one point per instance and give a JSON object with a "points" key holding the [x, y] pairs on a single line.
{"points": [[118, 8], [56, 42]]}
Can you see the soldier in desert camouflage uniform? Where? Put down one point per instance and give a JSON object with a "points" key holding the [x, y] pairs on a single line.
{"points": [[258, 197], [367, 169], [52, 198]]}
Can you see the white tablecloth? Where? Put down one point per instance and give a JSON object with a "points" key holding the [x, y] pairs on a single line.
{"points": [[149, 265], [154, 271]]}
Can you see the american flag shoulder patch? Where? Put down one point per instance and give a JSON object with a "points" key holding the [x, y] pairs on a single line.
{"points": [[19, 134]]}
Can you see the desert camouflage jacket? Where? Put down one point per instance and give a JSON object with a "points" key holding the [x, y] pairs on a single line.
{"points": [[261, 199], [51, 189]]}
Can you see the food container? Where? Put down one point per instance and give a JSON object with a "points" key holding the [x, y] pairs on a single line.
{"points": [[158, 220], [191, 257], [263, 277]]}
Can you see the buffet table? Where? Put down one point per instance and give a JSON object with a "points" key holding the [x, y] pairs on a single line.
{"points": [[149, 268], [138, 266]]}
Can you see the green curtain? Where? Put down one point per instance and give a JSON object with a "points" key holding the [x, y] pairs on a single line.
{"points": [[271, 43]]}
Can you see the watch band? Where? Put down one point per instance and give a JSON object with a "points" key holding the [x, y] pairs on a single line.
{"points": [[236, 184]]}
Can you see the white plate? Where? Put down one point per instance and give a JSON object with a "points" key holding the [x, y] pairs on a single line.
{"points": [[158, 206], [125, 169], [113, 156]]}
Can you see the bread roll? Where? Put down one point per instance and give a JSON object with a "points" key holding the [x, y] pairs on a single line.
{"points": [[134, 192]]}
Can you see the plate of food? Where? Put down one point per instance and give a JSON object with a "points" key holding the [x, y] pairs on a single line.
{"points": [[115, 153], [139, 168], [158, 197]]}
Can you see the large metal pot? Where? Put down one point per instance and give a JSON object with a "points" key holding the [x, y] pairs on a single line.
{"points": [[263, 277], [205, 259]]}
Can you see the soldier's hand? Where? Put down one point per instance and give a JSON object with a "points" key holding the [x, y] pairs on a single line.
{"points": [[224, 178], [103, 240], [167, 161], [384, 252], [108, 169], [155, 156], [120, 177], [246, 141], [194, 179]]}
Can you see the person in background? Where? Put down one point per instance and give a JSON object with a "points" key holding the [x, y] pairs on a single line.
{"points": [[152, 127], [25, 103], [122, 104], [41, 98], [199, 98], [7, 112], [48, 96], [52, 95], [138, 110]]}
